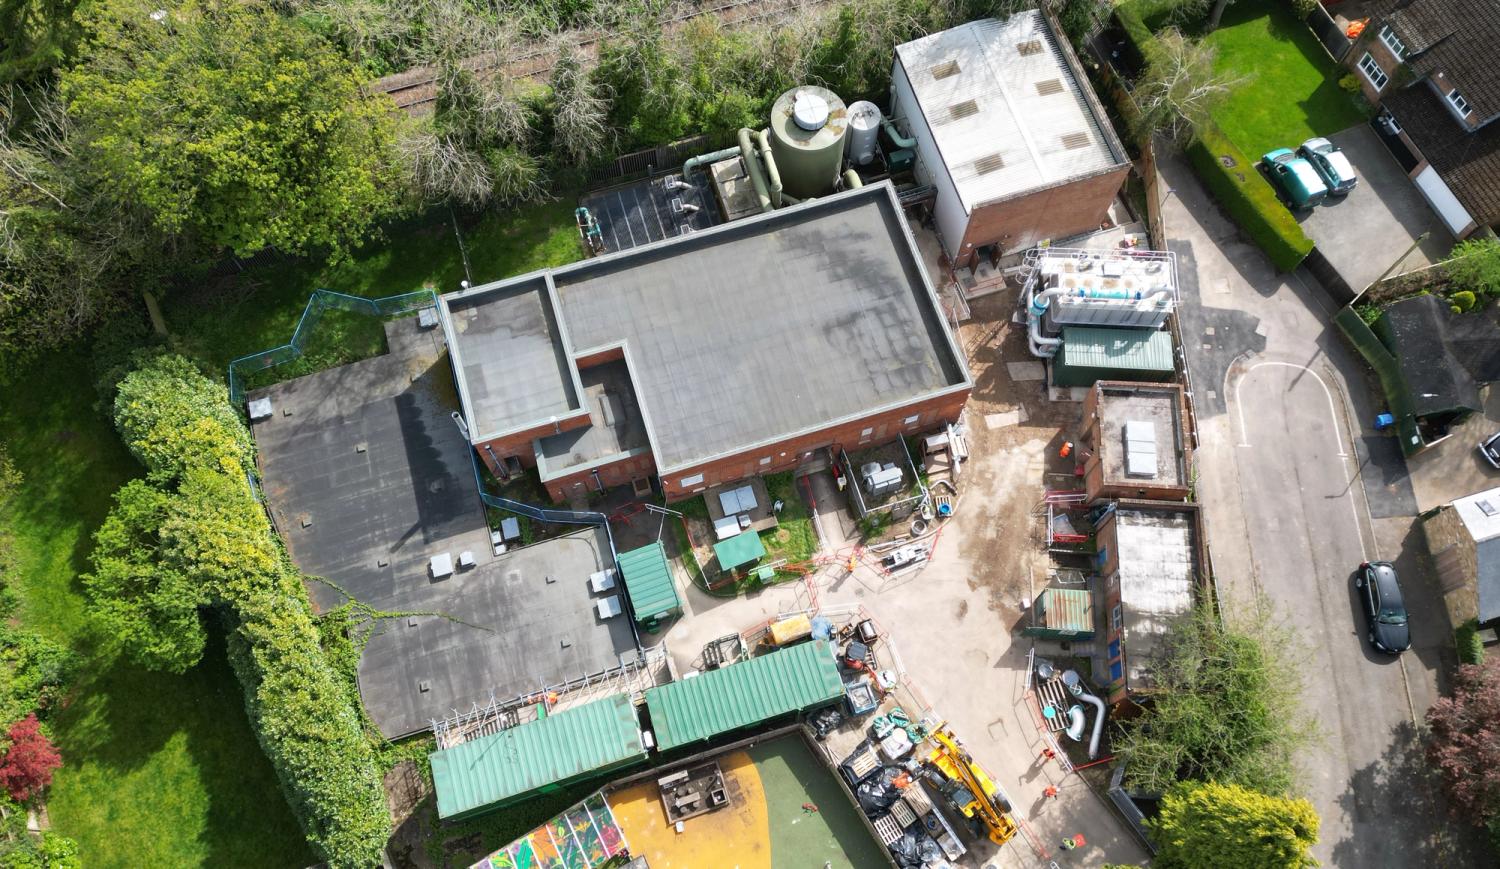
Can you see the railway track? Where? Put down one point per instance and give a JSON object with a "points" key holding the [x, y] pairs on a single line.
{"points": [[416, 89]]}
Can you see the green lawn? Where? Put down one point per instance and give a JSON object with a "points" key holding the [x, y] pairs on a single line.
{"points": [[164, 770], [1291, 92], [157, 770]]}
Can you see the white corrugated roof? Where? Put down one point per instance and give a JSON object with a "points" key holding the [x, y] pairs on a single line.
{"points": [[1006, 111]]}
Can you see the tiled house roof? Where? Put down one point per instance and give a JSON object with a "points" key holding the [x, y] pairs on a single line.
{"points": [[1455, 37], [1468, 161]]}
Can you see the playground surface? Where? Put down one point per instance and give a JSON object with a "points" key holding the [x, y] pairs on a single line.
{"points": [[786, 811]]}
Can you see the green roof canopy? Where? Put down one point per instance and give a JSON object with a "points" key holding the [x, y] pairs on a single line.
{"points": [[719, 701], [1089, 354], [1068, 611], [565, 746], [648, 579], [742, 548]]}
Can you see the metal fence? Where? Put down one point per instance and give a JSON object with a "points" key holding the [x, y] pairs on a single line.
{"points": [[321, 301], [1329, 33], [652, 160]]}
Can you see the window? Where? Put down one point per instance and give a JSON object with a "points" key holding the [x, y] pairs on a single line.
{"points": [[1114, 650], [1459, 104], [1117, 617], [864, 434], [1393, 42], [911, 420], [766, 460], [690, 481], [1116, 671], [1372, 71]]}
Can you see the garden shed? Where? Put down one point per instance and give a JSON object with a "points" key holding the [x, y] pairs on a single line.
{"points": [[648, 580]]}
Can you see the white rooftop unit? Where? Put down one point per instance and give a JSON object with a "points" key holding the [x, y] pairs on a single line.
{"points": [[1140, 448], [1134, 289], [880, 479]]}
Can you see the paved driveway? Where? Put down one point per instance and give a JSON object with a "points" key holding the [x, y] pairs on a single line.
{"points": [[1365, 232], [1294, 503]]}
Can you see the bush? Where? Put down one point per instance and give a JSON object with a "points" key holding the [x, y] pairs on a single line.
{"points": [[1463, 301], [1470, 646], [172, 417], [1475, 266], [1349, 84], [1248, 198]]}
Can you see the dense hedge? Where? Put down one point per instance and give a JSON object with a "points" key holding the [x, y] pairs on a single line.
{"points": [[195, 449], [1470, 646], [1248, 198]]}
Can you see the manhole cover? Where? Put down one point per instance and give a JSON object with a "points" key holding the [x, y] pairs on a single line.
{"points": [[1228, 161]]}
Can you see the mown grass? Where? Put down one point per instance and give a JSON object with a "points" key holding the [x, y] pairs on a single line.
{"points": [[1290, 91], [164, 770], [158, 770]]}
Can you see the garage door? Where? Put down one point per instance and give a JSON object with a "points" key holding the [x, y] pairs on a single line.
{"points": [[1443, 201]]}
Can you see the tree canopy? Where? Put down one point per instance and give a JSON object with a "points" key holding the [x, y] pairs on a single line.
{"points": [[1232, 827], [258, 133], [172, 417], [1226, 706], [1464, 744]]}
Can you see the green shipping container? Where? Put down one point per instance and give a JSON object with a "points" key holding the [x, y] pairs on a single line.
{"points": [[1091, 354], [740, 695], [1062, 614], [648, 580], [536, 757]]}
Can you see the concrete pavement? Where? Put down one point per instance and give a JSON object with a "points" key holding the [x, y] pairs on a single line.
{"points": [[1297, 493]]}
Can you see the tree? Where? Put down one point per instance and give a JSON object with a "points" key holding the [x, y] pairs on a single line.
{"points": [[1475, 266], [172, 417], [1464, 742], [1179, 90], [257, 132], [29, 761], [35, 35], [1232, 827], [580, 126], [1226, 706], [139, 591]]}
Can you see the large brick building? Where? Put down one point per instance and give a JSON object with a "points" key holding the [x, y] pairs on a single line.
{"points": [[1009, 134], [711, 357]]}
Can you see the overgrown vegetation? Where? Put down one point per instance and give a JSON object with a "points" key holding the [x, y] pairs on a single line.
{"points": [[1225, 706], [1465, 746], [1209, 824], [193, 536], [1233, 180]]}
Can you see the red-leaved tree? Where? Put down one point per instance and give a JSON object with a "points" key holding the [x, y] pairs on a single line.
{"points": [[1465, 740], [29, 761]]}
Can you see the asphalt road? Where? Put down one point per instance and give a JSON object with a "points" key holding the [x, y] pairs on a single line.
{"points": [[1288, 498]]}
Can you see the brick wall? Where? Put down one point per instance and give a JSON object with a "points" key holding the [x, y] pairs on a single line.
{"points": [[1369, 41], [790, 453], [1457, 561], [519, 444], [1055, 213], [619, 473], [1101, 489]]}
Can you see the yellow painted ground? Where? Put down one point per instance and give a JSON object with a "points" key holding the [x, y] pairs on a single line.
{"points": [[737, 836]]}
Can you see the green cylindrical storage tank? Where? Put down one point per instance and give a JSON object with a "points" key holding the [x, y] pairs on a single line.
{"points": [[807, 139]]}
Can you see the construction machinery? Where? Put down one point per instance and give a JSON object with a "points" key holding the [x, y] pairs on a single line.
{"points": [[968, 787]]}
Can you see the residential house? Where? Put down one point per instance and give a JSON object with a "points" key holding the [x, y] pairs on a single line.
{"points": [[1431, 65], [1464, 539]]}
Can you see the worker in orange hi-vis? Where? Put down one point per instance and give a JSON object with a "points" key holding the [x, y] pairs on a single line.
{"points": [[1049, 792]]}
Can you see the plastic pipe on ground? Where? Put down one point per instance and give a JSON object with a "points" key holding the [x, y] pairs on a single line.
{"points": [[752, 166], [1098, 722], [852, 181], [897, 139], [703, 159], [773, 175]]}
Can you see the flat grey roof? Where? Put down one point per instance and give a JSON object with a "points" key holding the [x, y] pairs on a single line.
{"points": [[744, 334], [615, 427], [1158, 570], [1156, 406], [369, 459], [635, 214], [515, 370]]}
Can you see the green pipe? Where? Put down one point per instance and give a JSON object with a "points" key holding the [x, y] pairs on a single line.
{"points": [[752, 166], [694, 162], [852, 181], [897, 139], [773, 175]]}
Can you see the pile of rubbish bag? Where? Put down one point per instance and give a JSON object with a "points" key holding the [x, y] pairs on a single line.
{"points": [[915, 849]]}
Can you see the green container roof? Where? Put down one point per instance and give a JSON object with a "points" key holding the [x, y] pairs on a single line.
{"points": [[1068, 610], [720, 701], [648, 579], [1118, 349], [742, 548], [564, 746]]}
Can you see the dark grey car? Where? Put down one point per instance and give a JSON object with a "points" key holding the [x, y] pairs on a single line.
{"points": [[1385, 611]]}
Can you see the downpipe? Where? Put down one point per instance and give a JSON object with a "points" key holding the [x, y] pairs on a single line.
{"points": [[752, 166], [773, 174]]}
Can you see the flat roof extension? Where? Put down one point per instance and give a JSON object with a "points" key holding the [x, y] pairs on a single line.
{"points": [[1156, 408], [742, 335]]}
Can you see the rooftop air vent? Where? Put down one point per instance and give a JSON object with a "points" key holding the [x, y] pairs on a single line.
{"points": [[1486, 508], [989, 163], [1074, 141], [965, 109], [946, 69], [1049, 87], [1029, 47]]}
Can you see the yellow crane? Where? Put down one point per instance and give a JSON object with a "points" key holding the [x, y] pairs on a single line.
{"points": [[969, 787]]}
